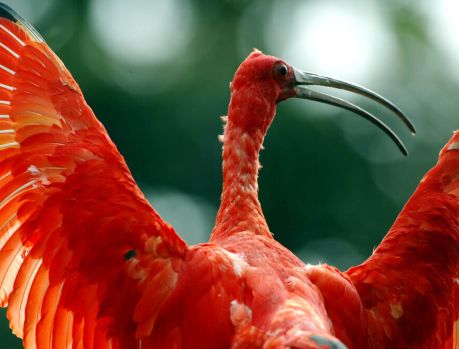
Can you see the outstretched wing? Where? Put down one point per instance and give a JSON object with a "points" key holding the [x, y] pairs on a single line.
{"points": [[410, 285], [84, 259]]}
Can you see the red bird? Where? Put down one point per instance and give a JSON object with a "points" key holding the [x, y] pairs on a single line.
{"points": [[87, 263]]}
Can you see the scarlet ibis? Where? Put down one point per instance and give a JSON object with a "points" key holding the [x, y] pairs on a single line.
{"points": [[87, 263]]}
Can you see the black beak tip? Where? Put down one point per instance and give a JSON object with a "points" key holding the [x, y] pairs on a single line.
{"points": [[302, 80]]}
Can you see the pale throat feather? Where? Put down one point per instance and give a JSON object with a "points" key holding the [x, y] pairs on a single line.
{"points": [[240, 209], [250, 112]]}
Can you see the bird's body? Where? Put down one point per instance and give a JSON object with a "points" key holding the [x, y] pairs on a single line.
{"points": [[86, 262]]}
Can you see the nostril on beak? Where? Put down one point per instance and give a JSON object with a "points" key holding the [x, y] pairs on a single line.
{"points": [[327, 342]]}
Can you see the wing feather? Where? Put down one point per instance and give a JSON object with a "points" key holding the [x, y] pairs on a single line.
{"points": [[33, 307], [62, 328], [20, 294], [11, 257], [409, 286], [48, 311], [85, 261]]}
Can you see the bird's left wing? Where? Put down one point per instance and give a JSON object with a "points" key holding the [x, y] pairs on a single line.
{"points": [[83, 257]]}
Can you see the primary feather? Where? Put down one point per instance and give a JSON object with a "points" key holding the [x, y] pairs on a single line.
{"points": [[70, 212]]}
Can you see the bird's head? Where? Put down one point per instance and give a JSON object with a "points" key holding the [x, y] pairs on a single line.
{"points": [[262, 81]]}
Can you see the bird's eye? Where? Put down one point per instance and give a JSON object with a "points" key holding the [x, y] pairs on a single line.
{"points": [[280, 69]]}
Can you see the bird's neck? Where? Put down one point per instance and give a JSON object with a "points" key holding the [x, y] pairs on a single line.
{"points": [[240, 209]]}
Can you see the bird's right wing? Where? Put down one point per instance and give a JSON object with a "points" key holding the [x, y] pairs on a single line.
{"points": [[410, 285], [85, 261]]}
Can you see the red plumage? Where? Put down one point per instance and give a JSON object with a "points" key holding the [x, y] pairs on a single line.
{"points": [[86, 262]]}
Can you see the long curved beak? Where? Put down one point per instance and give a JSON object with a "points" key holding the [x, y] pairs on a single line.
{"points": [[303, 79]]}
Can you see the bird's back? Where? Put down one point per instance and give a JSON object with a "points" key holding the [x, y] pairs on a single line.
{"points": [[281, 307]]}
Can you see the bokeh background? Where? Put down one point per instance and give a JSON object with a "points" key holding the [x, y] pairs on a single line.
{"points": [[156, 72]]}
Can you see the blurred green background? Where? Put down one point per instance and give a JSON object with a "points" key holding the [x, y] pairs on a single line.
{"points": [[156, 73]]}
